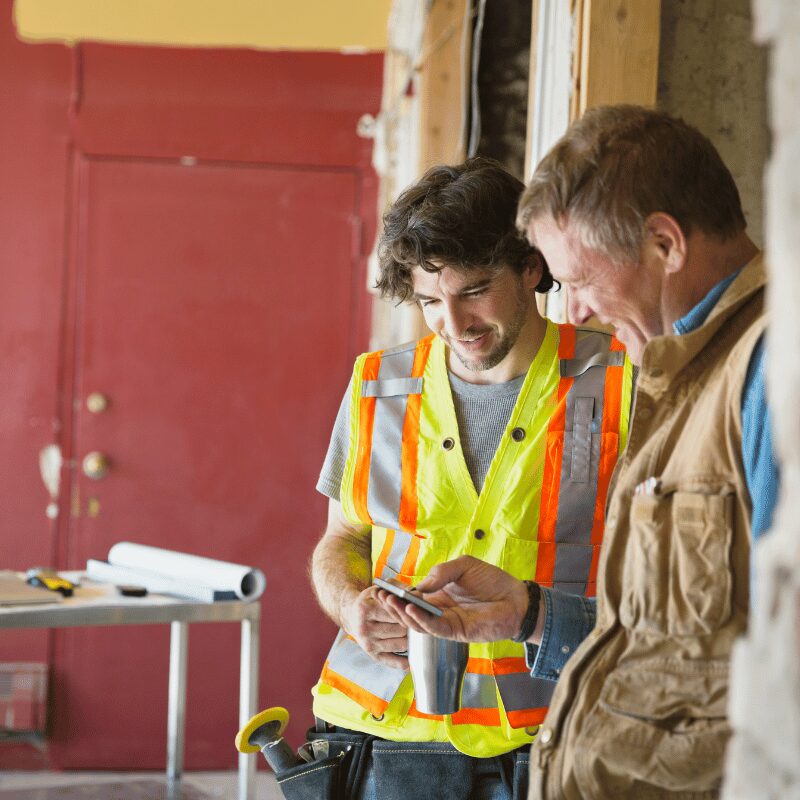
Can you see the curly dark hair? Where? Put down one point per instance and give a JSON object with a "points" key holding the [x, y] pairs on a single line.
{"points": [[460, 216]]}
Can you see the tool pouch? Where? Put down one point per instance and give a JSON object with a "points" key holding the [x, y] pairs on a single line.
{"points": [[336, 777]]}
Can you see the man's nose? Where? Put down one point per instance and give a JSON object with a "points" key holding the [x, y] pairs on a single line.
{"points": [[456, 320], [577, 311]]}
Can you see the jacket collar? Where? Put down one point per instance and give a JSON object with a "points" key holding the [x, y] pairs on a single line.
{"points": [[665, 356]]}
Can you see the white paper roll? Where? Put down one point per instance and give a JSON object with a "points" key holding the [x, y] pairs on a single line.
{"points": [[247, 583]]}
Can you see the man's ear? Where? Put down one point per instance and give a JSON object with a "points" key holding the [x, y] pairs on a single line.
{"points": [[668, 240], [534, 270]]}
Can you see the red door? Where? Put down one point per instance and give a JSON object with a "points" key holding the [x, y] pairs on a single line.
{"points": [[215, 302], [184, 232]]}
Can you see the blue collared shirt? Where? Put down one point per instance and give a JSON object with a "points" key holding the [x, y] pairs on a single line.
{"points": [[569, 618]]}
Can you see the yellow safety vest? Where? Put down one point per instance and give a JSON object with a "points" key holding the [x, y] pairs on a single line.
{"points": [[539, 516]]}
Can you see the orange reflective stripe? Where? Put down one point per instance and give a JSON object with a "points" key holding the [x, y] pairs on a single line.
{"points": [[408, 460], [527, 717], [551, 483], [375, 705], [380, 563], [510, 665], [366, 421], [476, 716], [616, 345], [410, 443], [415, 712], [410, 562], [566, 341], [480, 666], [496, 666]]}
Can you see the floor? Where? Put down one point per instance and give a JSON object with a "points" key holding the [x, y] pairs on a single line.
{"points": [[129, 786]]}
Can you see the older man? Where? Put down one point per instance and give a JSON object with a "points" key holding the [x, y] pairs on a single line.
{"points": [[639, 218]]}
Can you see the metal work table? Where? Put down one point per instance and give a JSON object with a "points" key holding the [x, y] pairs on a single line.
{"points": [[99, 604]]}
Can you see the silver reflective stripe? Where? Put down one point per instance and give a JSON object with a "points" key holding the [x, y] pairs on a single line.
{"points": [[519, 691], [385, 471], [580, 467], [573, 367], [581, 439], [573, 562], [347, 659], [397, 555], [478, 691], [391, 387]]}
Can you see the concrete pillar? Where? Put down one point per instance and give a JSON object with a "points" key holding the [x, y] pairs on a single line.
{"points": [[764, 755]]}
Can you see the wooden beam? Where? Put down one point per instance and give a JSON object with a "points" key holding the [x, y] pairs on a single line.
{"points": [[619, 52], [444, 71]]}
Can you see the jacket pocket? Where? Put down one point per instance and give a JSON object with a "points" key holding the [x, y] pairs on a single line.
{"points": [[658, 730], [677, 572]]}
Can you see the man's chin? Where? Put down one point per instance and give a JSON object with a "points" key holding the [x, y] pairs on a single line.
{"points": [[634, 346]]}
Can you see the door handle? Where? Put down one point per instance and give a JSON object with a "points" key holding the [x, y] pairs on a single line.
{"points": [[96, 465]]}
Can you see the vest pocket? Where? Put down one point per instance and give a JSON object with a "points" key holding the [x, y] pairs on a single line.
{"points": [[677, 573], [659, 726]]}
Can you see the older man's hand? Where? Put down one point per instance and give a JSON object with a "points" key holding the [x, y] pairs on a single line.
{"points": [[481, 602]]}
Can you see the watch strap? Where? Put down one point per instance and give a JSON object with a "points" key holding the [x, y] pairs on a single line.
{"points": [[531, 615]]}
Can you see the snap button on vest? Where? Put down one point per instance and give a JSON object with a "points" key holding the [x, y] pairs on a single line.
{"points": [[448, 443], [479, 534], [518, 434], [377, 719]]}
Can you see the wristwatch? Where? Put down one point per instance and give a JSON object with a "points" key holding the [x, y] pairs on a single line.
{"points": [[531, 615]]}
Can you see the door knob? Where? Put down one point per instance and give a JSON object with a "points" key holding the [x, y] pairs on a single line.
{"points": [[96, 465], [97, 403]]}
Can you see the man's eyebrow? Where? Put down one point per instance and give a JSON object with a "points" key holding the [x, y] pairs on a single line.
{"points": [[417, 297], [479, 284]]}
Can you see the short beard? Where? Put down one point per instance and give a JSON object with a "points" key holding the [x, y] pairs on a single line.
{"points": [[505, 345]]}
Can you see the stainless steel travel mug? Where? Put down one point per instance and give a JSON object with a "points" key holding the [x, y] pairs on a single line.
{"points": [[437, 669]]}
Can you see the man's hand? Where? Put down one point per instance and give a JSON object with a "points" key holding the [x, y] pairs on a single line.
{"points": [[376, 629], [481, 602], [341, 575]]}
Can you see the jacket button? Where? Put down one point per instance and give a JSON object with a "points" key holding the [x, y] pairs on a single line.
{"points": [[546, 735], [518, 434], [448, 443], [565, 649], [645, 412], [479, 534]]}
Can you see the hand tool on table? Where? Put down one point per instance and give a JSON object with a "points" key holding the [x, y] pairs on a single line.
{"points": [[49, 579]]}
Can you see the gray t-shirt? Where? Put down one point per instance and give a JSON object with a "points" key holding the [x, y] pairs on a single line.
{"points": [[482, 411]]}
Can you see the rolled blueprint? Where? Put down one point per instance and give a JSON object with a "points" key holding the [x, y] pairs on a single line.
{"points": [[171, 572]]}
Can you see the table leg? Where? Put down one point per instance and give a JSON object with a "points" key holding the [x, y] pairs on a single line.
{"points": [[248, 697], [176, 714]]}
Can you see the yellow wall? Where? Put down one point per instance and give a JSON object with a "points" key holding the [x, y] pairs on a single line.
{"points": [[266, 24]]}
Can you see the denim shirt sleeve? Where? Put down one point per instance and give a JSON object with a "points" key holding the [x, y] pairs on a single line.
{"points": [[760, 467], [568, 620]]}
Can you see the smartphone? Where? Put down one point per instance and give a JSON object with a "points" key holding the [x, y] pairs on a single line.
{"points": [[409, 595]]}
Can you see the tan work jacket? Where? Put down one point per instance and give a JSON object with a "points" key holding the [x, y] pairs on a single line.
{"points": [[640, 710]]}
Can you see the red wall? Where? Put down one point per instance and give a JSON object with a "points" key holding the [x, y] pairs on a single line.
{"points": [[62, 109]]}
